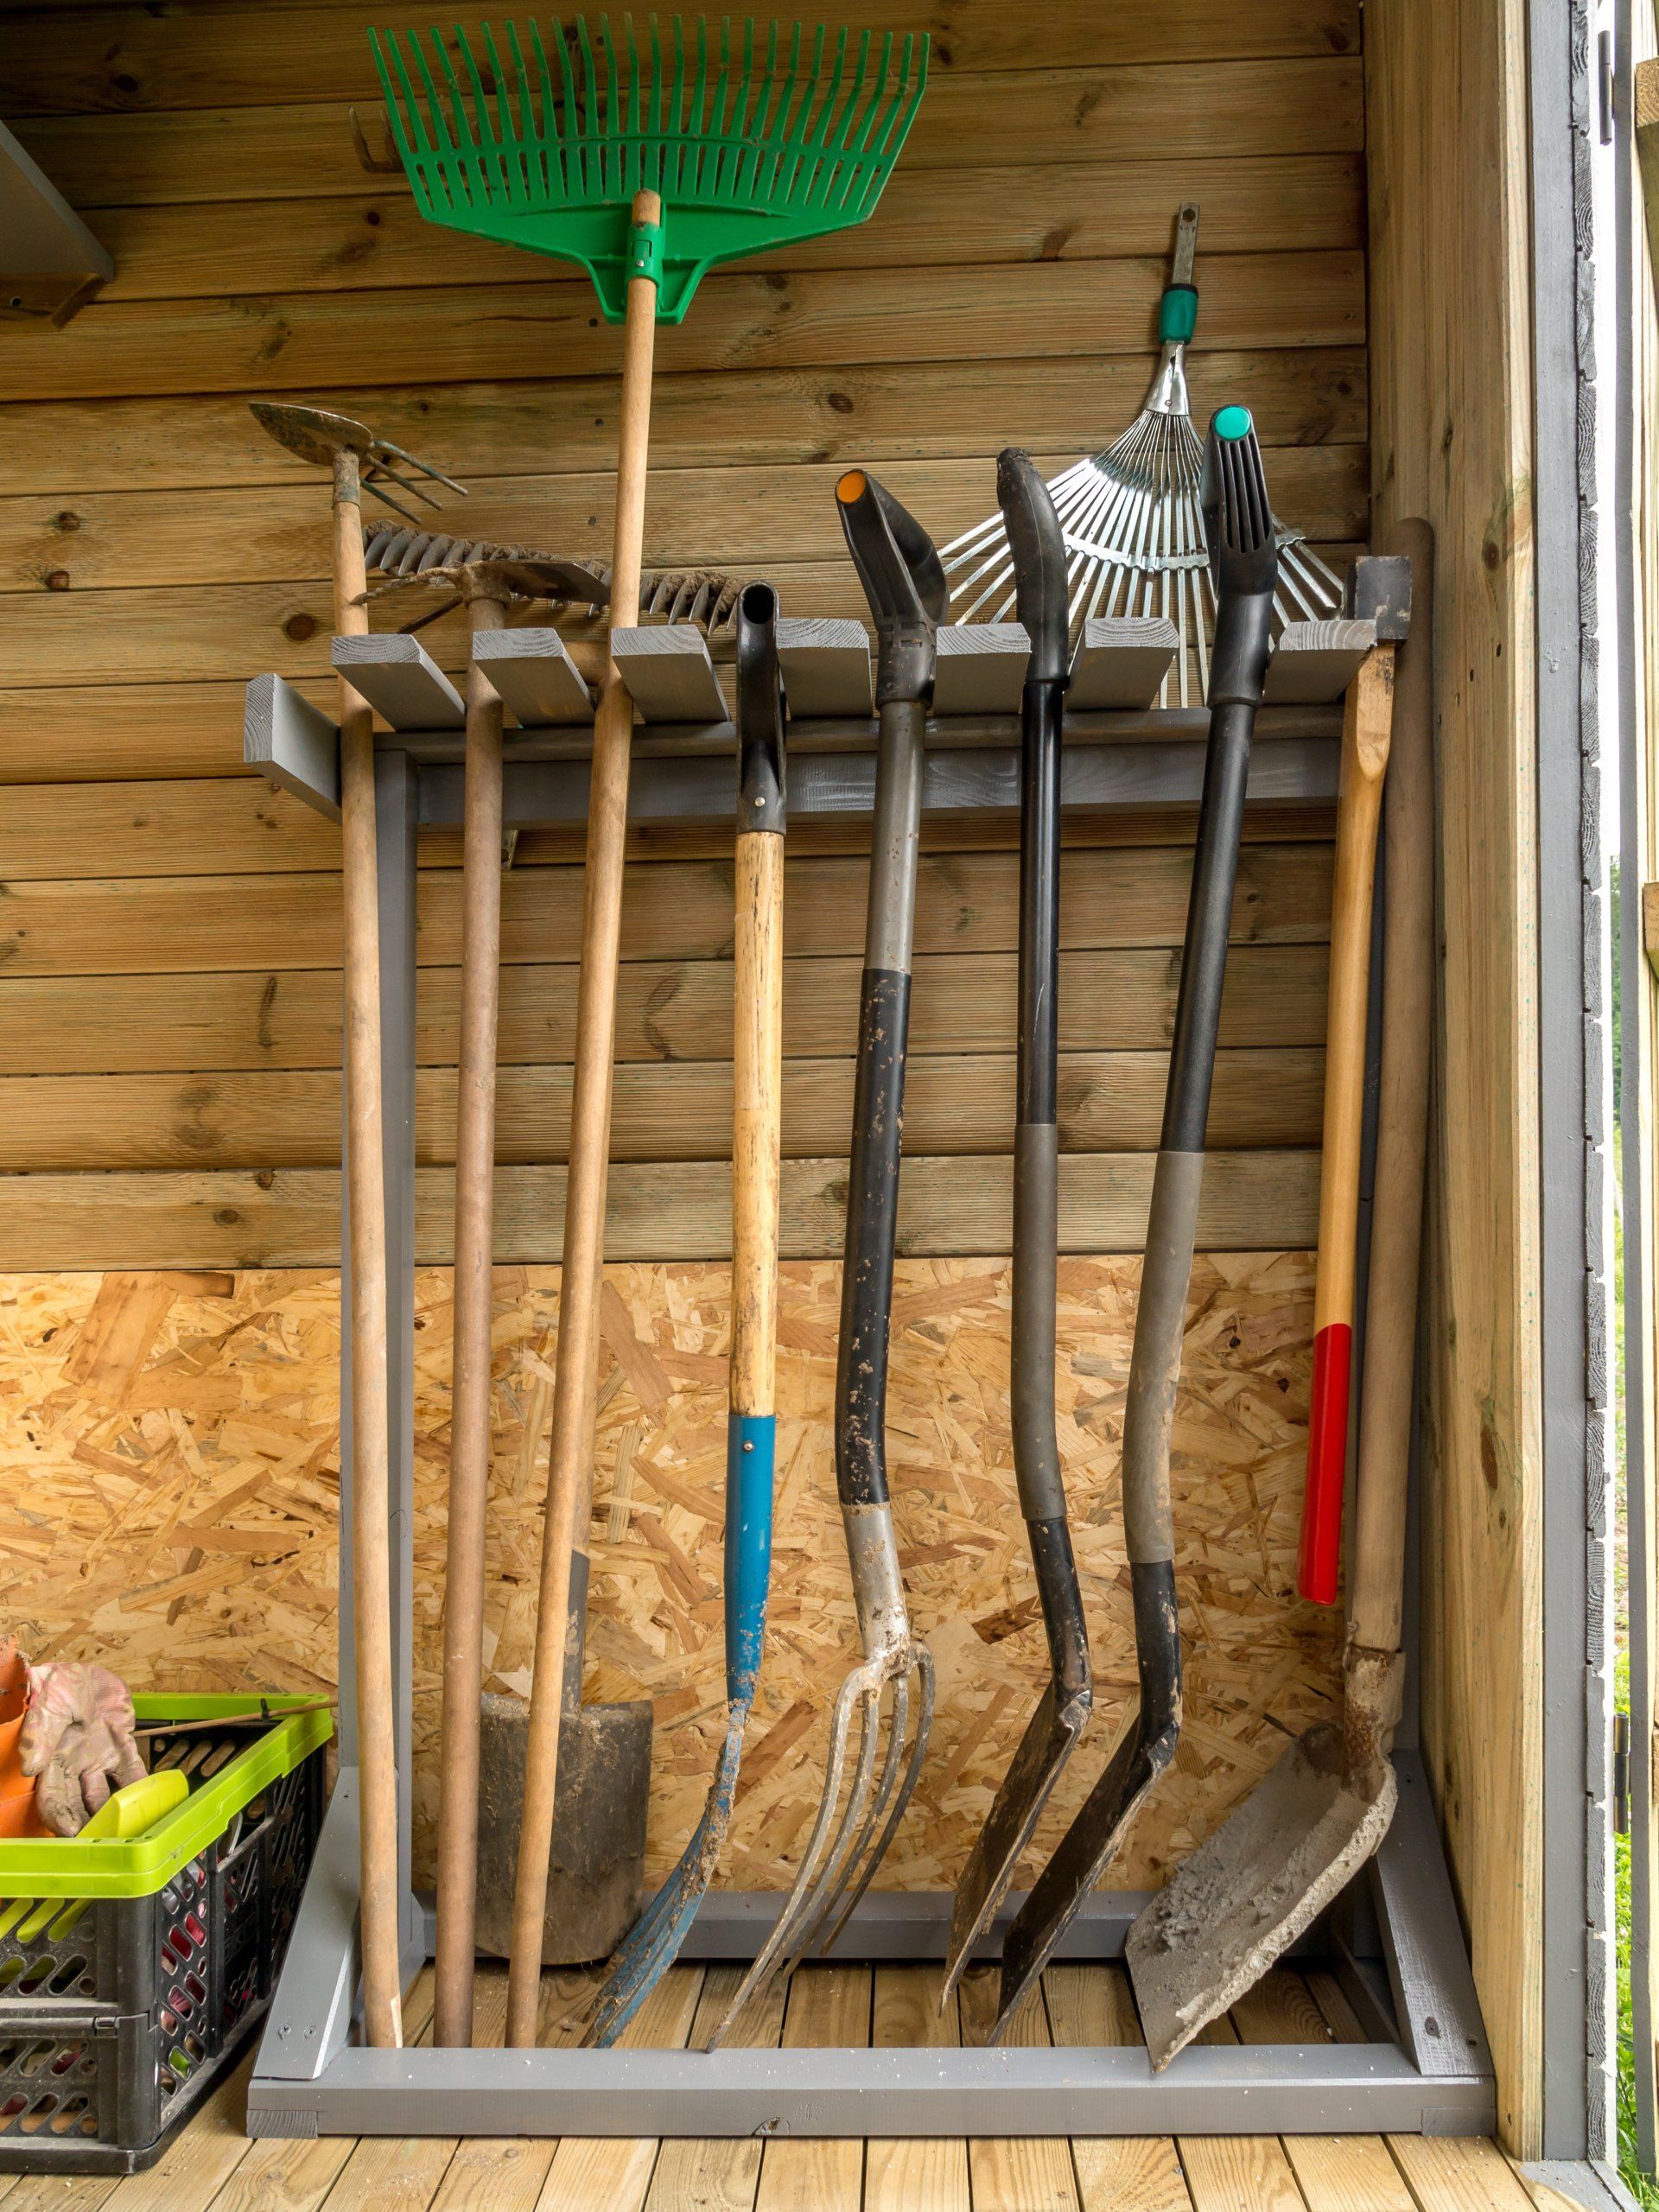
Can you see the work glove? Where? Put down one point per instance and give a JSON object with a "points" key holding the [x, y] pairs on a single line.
{"points": [[78, 1739]]}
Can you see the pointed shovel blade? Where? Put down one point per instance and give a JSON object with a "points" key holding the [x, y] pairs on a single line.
{"points": [[1246, 1894], [1050, 1738]]}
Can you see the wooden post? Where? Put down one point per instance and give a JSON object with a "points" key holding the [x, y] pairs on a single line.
{"points": [[569, 1467], [469, 1424], [367, 1205]]}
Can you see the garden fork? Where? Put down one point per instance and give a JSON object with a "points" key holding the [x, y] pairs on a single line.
{"points": [[904, 585]]}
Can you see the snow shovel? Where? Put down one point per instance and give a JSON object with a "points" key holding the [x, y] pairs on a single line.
{"points": [[904, 585], [751, 1423], [360, 461], [1238, 524], [1265, 1874], [1054, 1729], [647, 167]]}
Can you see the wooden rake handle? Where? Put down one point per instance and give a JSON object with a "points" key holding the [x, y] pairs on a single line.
{"points": [[1367, 725], [569, 1469], [366, 1193]]}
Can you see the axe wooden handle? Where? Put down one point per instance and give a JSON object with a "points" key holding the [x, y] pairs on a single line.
{"points": [[1365, 737]]}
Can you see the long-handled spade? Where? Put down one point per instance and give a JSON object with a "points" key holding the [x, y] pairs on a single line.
{"points": [[904, 585], [360, 461], [1052, 1735], [752, 1424], [1239, 526], [648, 167], [1251, 1887]]}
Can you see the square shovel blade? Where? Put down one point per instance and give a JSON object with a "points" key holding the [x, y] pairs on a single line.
{"points": [[1246, 1894], [596, 1866]]}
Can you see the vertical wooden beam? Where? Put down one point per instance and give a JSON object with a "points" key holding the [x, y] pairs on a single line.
{"points": [[1447, 104]]}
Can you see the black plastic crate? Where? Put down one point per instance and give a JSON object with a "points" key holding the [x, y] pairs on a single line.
{"points": [[119, 2016]]}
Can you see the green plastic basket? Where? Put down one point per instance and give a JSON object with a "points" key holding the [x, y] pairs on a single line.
{"points": [[132, 1974], [59, 1867]]}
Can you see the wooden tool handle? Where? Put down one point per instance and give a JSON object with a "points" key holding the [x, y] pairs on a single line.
{"points": [[377, 1748], [1366, 724], [569, 1471], [469, 1424], [1376, 1583], [758, 1078]]}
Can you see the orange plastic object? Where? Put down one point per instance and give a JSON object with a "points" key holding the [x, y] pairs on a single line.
{"points": [[17, 1813]]}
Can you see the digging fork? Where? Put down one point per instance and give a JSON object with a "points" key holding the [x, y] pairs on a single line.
{"points": [[906, 588]]}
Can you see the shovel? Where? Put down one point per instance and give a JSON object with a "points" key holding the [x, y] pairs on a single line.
{"points": [[1238, 524], [1052, 1734], [752, 1421], [1264, 1875]]}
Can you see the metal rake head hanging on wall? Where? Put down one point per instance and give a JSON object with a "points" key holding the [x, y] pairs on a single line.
{"points": [[753, 135], [1132, 518]]}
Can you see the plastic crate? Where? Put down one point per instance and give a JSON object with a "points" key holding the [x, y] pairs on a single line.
{"points": [[132, 1974]]}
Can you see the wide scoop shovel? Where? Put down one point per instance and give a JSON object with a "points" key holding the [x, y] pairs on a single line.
{"points": [[1267, 1873]]}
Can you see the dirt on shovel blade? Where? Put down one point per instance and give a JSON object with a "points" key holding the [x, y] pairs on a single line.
{"points": [[1246, 1895]]}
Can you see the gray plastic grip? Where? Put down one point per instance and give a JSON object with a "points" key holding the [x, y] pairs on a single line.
{"points": [[1156, 1362]]}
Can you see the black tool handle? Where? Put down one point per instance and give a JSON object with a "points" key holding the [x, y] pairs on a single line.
{"points": [[761, 776]]}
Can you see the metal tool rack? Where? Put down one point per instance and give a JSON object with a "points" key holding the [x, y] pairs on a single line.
{"points": [[1395, 1940]]}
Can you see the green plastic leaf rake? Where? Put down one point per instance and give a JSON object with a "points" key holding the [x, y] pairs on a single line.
{"points": [[753, 134]]}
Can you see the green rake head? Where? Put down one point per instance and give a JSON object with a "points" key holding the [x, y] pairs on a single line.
{"points": [[753, 135]]}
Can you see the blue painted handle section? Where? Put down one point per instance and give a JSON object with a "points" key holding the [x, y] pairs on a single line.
{"points": [[751, 1450]]}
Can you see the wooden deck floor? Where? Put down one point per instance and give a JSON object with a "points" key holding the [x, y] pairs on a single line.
{"points": [[215, 2168]]}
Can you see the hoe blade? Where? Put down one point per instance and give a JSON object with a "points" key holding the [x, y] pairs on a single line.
{"points": [[1245, 1895], [1050, 1738]]}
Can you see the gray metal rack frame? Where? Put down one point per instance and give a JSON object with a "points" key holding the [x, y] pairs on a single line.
{"points": [[1395, 1940]]}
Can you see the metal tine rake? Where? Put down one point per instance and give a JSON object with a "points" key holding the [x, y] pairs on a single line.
{"points": [[859, 1813], [1133, 521]]}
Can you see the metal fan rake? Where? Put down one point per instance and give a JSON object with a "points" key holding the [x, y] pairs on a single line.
{"points": [[1132, 520]]}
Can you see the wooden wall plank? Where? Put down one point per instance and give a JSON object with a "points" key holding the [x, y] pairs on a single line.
{"points": [[1298, 106], [1043, 212], [954, 1105], [1448, 129], [737, 518], [229, 630], [289, 1217], [668, 1010], [671, 910], [122, 57], [849, 411], [294, 340]]}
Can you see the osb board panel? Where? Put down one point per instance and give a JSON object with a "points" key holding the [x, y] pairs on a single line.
{"points": [[173, 1444]]}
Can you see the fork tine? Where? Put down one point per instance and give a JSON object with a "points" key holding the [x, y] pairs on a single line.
{"points": [[845, 1862], [923, 1666], [765, 1960]]}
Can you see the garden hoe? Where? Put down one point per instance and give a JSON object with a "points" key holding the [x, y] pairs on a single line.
{"points": [[1251, 1889], [360, 461], [904, 585], [648, 169], [1244, 558], [1053, 1733], [751, 1423]]}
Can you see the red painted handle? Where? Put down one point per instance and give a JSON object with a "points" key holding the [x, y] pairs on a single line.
{"points": [[1320, 1567]]}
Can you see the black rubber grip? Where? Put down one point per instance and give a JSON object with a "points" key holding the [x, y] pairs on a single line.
{"points": [[872, 1223], [1208, 919], [1157, 1647], [1039, 903]]}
